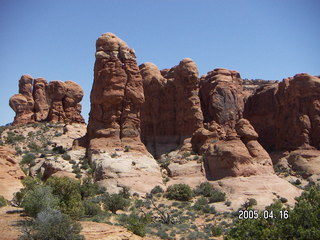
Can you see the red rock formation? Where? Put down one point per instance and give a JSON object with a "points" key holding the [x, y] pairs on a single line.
{"points": [[38, 101], [19, 104], [287, 115], [221, 97], [41, 105], [171, 112], [236, 154], [23, 102], [116, 96]]}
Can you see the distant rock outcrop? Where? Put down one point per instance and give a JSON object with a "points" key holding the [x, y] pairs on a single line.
{"points": [[171, 112], [287, 115], [39, 101]]}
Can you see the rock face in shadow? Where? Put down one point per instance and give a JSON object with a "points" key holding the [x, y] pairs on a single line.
{"points": [[287, 115], [39, 101], [171, 112], [221, 96]]}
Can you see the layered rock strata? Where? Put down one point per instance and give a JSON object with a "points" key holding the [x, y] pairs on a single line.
{"points": [[171, 112], [39, 101]]}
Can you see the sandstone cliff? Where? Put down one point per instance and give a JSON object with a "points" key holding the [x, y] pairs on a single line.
{"points": [[171, 112], [286, 115], [113, 133]]}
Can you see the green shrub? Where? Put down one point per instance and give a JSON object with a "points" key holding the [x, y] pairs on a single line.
{"points": [[59, 149], [115, 202], [91, 208], [89, 189], [303, 221], [68, 192], [157, 189], [135, 224], [283, 200], [200, 203], [34, 147], [216, 231], [3, 201], [196, 236], [66, 156], [12, 138], [180, 192], [217, 196], [250, 203], [38, 199], [125, 192], [207, 190], [27, 158], [52, 224]]}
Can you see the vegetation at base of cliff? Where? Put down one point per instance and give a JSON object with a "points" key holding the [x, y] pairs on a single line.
{"points": [[180, 192], [303, 221], [3, 201]]}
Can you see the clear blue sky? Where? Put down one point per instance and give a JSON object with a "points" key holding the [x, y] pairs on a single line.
{"points": [[54, 39]]}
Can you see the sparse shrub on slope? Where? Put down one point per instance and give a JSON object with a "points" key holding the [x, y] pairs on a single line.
{"points": [[180, 192], [207, 190], [3, 201], [53, 225], [115, 202], [134, 223]]}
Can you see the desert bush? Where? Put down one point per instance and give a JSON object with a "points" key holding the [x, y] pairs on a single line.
{"points": [[134, 223], [58, 149], [303, 221], [202, 205], [66, 156], [125, 192], [216, 196], [216, 231], [89, 189], [38, 199], [3, 201], [157, 189], [207, 190], [68, 192], [91, 208], [34, 147], [52, 224], [12, 138], [283, 200], [250, 203], [196, 236], [28, 158], [115, 202], [180, 192]]}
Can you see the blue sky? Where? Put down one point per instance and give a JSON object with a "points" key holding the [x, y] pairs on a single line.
{"points": [[268, 39]]}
